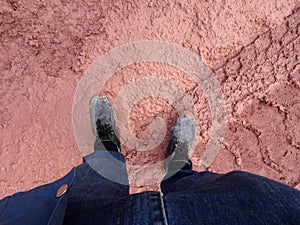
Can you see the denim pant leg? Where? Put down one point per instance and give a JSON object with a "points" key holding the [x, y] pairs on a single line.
{"points": [[182, 180], [222, 198], [100, 183]]}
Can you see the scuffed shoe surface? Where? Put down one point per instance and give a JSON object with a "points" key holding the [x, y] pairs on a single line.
{"points": [[103, 121], [181, 142]]}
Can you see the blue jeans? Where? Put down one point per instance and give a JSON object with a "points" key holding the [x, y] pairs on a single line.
{"points": [[188, 197]]}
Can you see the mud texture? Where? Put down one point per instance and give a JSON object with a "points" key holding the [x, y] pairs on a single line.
{"points": [[252, 47]]}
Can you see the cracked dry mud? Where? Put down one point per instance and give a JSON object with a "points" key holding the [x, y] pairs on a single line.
{"points": [[252, 47]]}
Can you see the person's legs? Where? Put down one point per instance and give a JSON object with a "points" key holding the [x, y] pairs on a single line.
{"points": [[237, 196], [96, 188], [177, 163], [102, 179], [233, 198], [102, 174]]}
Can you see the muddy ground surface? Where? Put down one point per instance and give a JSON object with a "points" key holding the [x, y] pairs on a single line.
{"points": [[251, 46]]}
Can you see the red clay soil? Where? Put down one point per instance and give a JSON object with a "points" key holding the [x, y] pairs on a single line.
{"points": [[252, 47]]}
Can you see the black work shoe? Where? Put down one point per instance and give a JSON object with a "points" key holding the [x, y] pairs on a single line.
{"points": [[181, 142], [104, 125]]}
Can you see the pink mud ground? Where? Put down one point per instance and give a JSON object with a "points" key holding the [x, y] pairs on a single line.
{"points": [[252, 47]]}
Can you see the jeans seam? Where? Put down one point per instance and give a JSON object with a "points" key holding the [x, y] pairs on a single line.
{"points": [[162, 209]]}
